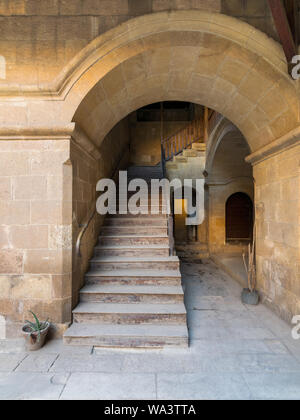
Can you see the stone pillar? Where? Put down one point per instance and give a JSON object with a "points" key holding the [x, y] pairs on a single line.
{"points": [[35, 228], [277, 192]]}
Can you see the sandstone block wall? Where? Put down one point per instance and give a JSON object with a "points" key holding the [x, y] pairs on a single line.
{"points": [[47, 188], [39, 37], [278, 217], [146, 140], [36, 230]]}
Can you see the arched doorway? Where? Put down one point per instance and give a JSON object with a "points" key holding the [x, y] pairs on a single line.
{"points": [[239, 217]]}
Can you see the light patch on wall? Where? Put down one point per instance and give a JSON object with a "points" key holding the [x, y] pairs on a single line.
{"points": [[2, 67]]}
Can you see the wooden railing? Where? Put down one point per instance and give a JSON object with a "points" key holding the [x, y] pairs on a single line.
{"points": [[183, 139]]}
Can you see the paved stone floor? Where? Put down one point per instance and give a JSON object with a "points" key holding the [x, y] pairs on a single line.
{"points": [[236, 352]]}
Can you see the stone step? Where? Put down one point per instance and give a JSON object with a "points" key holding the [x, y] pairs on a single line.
{"points": [[133, 230], [136, 216], [131, 277], [133, 250], [180, 159], [190, 153], [129, 240], [143, 201], [199, 146], [114, 293], [123, 195], [128, 336], [135, 263], [145, 204], [122, 313], [133, 221]]}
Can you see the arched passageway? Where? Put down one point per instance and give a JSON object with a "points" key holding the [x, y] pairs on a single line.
{"points": [[192, 56]]}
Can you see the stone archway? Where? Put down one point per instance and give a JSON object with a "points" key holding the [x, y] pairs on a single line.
{"points": [[205, 58], [194, 57]]}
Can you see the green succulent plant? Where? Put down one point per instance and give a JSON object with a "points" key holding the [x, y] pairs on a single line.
{"points": [[37, 326]]}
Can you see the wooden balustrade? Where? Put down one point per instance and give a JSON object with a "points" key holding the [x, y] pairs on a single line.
{"points": [[181, 140]]}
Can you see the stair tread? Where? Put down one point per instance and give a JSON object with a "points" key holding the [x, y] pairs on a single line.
{"points": [[147, 246], [133, 273], [143, 219], [133, 227], [134, 236], [138, 330], [129, 308], [135, 259], [132, 289]]}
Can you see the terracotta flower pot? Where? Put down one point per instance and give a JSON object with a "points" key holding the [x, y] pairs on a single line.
{"points": [[32, 339]]}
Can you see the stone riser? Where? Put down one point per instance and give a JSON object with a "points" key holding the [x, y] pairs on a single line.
{"points": [[137, 216], [133, 241], [122, 194], [135, 265], [145, 281], [145, 202], [127, 252], [129, 319], [130, 298], [148, 209], [120, 222], [127, 342], [132, 230], [200, 255]]}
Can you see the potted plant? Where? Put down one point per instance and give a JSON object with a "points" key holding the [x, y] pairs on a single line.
{"points": [[35, 333], [250, 295]]}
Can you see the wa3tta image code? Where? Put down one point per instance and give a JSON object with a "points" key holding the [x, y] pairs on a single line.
{"points": [[152, 409]]}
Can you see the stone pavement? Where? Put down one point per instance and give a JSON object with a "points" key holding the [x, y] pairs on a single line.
{"points": [[236, 352]]}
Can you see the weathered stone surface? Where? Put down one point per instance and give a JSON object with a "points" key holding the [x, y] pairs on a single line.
{"points": [[9, 362], [227, 368], [35, 362], [26, 386], [108, 386], [201, 386], [11, 261]]}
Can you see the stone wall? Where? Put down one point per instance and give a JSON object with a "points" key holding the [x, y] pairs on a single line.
{"points": [[35, 230], [146, 140], [278, 243], [47, 188], [38, 38]]}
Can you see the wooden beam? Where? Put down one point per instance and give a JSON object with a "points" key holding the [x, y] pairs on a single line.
{"points": [[292, 12], [284, 29]]}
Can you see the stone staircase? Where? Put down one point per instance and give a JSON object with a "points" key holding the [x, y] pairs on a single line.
{"points": [[132, 295], [189, 164]]}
